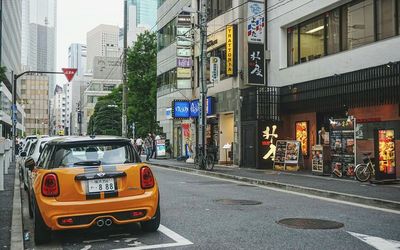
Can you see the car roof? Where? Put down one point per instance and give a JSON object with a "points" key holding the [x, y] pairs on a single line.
{"points": [[86, 139]]}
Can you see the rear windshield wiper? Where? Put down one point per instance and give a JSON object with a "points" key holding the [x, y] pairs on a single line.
{"points": [[87, 163]]}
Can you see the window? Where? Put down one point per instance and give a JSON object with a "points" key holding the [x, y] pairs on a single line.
{"points": [[217, 7], [349, 26], [312, 40], [166, 35], [167, 78], [293, 49], [386, 18]]}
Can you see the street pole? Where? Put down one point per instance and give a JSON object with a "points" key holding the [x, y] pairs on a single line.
{"points": [[125, 84], [203, 78]]}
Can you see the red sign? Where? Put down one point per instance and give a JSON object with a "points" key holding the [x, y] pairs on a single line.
{"points": [[69, 73]]}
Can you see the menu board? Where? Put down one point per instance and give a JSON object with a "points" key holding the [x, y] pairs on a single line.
{"points": [[160, 145], [342, 140], [317, 161], [385, 165], [302, 136], [287, 156]]}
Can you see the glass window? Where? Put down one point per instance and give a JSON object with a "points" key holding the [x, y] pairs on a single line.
{"points": [[166, 35], [293, 48], [360, 24], [217, 7], [386, 18], [312, 40], [333, 31]]}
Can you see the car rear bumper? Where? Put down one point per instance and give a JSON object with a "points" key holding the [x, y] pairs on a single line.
{"points": [[86, 213]]}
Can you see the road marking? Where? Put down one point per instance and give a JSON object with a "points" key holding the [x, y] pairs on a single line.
{"points": [[179, 240], [387, 210], [376, 242], [87, 247], [93, 241]]}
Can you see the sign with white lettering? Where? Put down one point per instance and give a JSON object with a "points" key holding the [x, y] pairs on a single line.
{"points": [[256, 64], [184, 62]]}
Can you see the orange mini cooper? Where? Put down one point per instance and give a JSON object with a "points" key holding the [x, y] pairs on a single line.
{"points": [[80, 182]]}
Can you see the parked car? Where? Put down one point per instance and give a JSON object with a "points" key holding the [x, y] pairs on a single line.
{"points": [[21, 160], [82, 182], [36, 149]]}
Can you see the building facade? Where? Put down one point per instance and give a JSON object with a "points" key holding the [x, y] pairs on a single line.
{"points": [[295, 67], [77, 58], [35, 99], [102, 41], [10, 58], [145, 10]]}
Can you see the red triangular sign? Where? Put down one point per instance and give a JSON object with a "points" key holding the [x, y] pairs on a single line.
{"points": [[69, 73]]}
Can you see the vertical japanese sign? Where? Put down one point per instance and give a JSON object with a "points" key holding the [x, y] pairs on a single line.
{"points": [[255, 22], [215, 63], [385, 159], [229, 50], [256, 64]]}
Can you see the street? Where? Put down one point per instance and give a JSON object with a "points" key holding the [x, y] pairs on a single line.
{"points": [[198, 212]]}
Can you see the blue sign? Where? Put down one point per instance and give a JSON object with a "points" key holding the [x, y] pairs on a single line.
{"points": [[194, 107], [181, 109]]}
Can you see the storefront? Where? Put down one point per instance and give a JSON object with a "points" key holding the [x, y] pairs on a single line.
{"points": [[347, 120]]}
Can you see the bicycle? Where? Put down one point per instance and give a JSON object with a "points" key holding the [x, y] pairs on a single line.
{"points": [[204, 162], [366, 170]]}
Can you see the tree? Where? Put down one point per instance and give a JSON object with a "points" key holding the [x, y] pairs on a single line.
{"points": [[142, 83], [3, 71], [106, 119]]}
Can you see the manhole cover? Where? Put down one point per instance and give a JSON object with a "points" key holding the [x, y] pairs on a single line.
{"points": [[302, 223], [238, 202]]}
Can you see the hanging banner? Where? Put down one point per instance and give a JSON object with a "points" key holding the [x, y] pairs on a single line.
{"points": [[229, 50], [256, 64], [215, 69], [255, 22]]}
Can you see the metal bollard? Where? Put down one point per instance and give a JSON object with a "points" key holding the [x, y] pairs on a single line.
{"points": [[2, 151], [8, 155]]}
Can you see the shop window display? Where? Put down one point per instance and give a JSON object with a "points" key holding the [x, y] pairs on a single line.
{"points": [[302, 136]]}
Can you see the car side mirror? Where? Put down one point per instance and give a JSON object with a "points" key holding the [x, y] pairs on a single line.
{"points": [[23, 154], [30, 164]]}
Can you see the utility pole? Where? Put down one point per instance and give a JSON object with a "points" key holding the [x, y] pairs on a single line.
{"points": [[125, 82], [203, 78]]}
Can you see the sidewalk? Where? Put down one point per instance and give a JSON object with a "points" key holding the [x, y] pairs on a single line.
{"points": [[385, 196], [6, 208]]}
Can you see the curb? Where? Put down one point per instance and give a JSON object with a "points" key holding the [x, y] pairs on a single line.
{"points": [[294, 188], [17, 241]]}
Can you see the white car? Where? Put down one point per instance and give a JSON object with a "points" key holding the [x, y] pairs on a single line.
{"points": [[26, 152]]}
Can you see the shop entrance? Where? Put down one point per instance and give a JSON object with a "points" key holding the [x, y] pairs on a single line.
{"points": [[178, 142], [249, 135], [226, 123]]}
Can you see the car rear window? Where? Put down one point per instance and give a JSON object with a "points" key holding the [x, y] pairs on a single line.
{"points": [[91, 154]]}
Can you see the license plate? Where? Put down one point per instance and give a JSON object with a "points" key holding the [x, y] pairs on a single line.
{"points": [[101, 185]]}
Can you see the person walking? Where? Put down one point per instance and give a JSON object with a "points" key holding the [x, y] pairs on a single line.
{"points": [[148, 144], [139, 145]]}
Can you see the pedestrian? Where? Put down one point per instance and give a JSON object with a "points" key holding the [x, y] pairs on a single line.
{"points": [[148, 144], [154, 149], [139, 145]]}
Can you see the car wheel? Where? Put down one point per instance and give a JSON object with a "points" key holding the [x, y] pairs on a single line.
{"points": [[153, 224], [25, 187], [41, 231]]}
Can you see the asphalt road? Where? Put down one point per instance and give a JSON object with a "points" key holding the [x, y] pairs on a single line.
{"points": [[196, 214]]}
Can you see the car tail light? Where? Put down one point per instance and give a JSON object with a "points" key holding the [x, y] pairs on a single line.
{"points": [[136, 214], [67, 221], [146, 178], [50, 185]]}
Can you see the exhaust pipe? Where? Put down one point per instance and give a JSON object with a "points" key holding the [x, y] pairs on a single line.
{"points": [[100, 223], [108, 222]]}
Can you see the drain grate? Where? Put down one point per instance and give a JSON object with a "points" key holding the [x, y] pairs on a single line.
{"points": [[238, 202], [304, 223]]}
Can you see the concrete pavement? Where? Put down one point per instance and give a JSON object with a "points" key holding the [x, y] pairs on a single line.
{"points": [[384, 196]]}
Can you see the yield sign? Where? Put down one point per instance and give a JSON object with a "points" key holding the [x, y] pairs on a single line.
{"points": [[69, 73]]}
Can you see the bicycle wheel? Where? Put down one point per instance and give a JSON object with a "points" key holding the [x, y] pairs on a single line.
{"points": [[362, 172], [209, 162]]}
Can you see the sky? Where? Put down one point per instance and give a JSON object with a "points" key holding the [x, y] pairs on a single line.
{"points": [[76, 17]]}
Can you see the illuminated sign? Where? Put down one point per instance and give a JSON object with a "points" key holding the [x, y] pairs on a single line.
{"points": [[184, 72], [269, 137], [302, 136], [180, 109], [194, 107], [229, 50]]}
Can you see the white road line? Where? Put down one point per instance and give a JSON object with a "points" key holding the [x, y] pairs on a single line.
{"points": [[377, 242], [288, 192], [179, 241]]}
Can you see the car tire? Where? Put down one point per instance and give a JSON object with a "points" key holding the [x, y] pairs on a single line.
{"points": [[25, 187], [153, 224], [42, 232]]}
